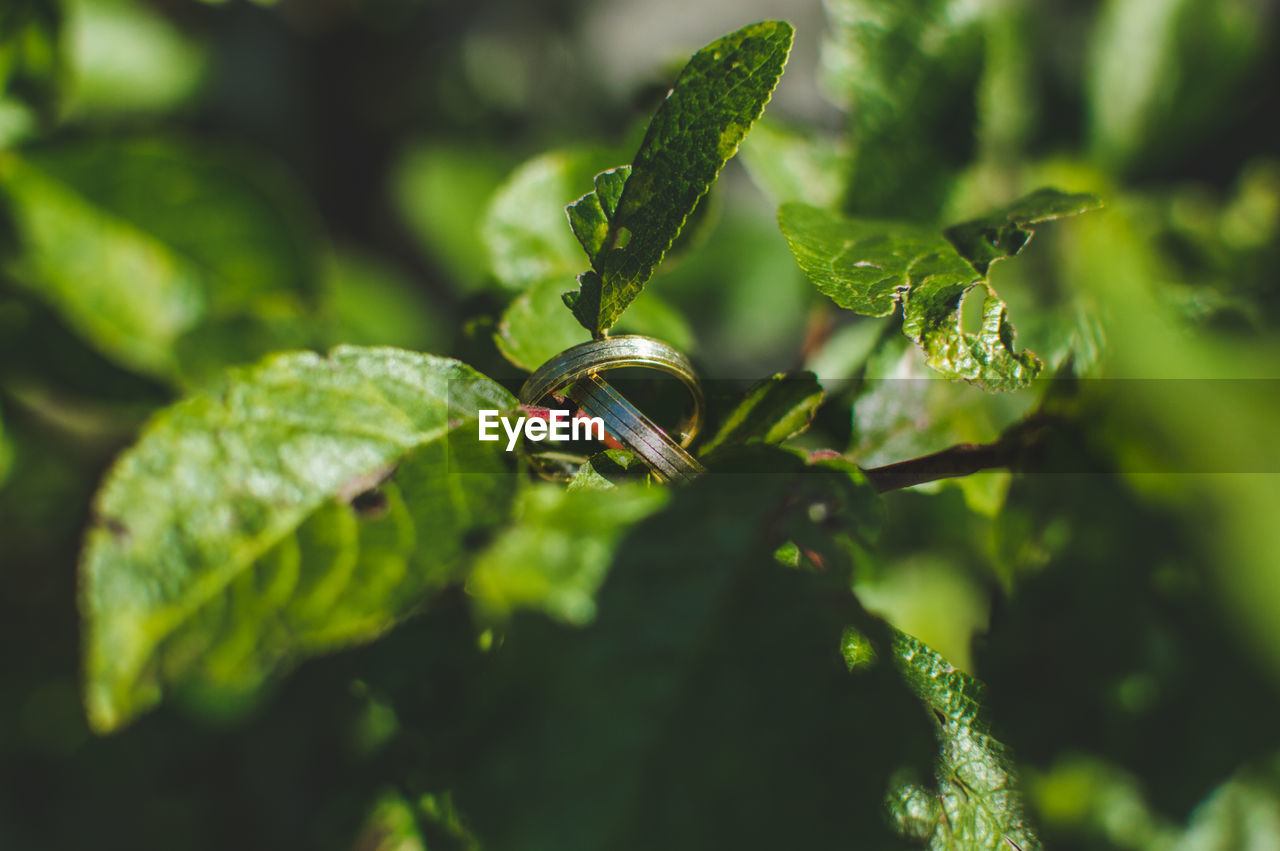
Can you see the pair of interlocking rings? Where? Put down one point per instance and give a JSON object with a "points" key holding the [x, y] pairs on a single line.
{"points": [[575, 373]]}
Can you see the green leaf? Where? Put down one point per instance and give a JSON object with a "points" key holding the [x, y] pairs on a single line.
{"points": [[392, 826], [1079, 793], [73, 253], [1008, 106], [865, 265], [590, 215], [871, 266], [606, 469], [698, 128], [928, 591], [976, 804], [523, 228], [224, 546], [858, 651], [17, 123], [138, 243], [1004, 233], [535, 326], [774, 410], [554, 556]]}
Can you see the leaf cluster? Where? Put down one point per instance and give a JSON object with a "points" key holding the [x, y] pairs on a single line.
{"points": [[305, 595]]}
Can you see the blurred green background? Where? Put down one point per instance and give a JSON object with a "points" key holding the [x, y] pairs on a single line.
{"points": [[309, 172]]}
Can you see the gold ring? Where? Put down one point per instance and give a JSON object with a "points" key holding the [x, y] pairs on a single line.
{"points": [[596, 356], [667, 459], [576, 370]]}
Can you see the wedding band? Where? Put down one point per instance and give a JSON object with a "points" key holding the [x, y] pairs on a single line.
{"points": [[575, 372], [667, 459], [578, 362]]}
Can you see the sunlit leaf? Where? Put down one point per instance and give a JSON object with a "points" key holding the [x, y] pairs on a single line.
{"points": [[976, 803], [233, 538], [590, 215], [535, 327], [609, 468], [1244, 812], [1004, 232], [1086, 797], [17, 123], [871, 267], [701, 123], [398, 824]]}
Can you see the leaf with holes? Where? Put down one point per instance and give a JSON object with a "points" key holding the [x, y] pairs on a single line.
{"points": [[871, 266], [1003, 233], [631, 220], [226, 546]]}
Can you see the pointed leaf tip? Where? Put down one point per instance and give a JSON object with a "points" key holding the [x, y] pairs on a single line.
{"points": [[715, 100]]}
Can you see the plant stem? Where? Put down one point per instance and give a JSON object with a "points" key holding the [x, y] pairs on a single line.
{"points": [[1008, 453]]}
